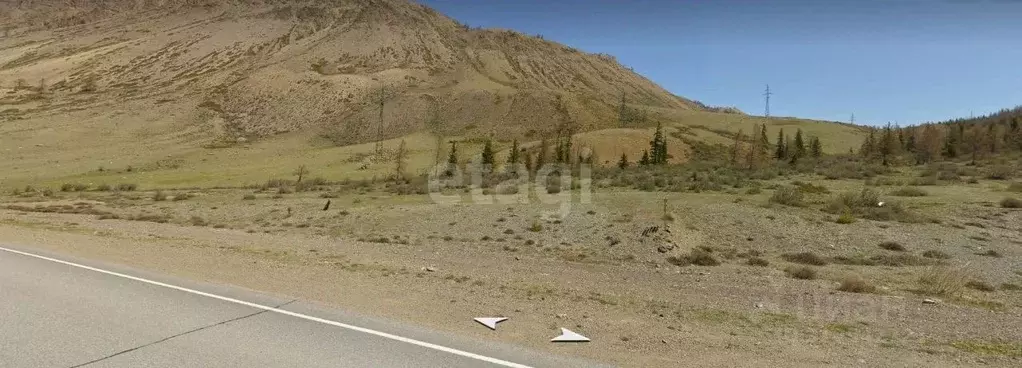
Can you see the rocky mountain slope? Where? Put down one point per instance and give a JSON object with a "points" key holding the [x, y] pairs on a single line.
{"points": [[257, 68]]}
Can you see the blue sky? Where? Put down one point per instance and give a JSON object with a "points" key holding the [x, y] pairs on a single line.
{"points": [[899, 61]]}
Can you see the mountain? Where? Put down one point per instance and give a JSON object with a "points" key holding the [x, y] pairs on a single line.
{"points": [[157, 83], [265, 67]]}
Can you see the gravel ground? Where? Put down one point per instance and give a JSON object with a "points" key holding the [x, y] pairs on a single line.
{"points": [[592, 271]]}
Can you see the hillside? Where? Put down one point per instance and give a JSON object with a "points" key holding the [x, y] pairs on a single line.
{"points": [[168, 81]]}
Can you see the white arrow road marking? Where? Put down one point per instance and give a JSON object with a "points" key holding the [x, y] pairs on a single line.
{"points": [[569, 336], [490, 322], [284, 312]]}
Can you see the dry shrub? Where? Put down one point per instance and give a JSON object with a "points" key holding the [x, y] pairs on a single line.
{"points": [[801, 273], [909, 192], [1011, 203], [808, 258], [892, 246], [944, 281], [788, 196], [698, 257], [856, 284]]}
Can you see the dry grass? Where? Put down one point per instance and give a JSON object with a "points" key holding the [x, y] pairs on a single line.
{"points": [[698, 257], [856, 284], [892, 246], [1011, 203], [909, 192], [944, 281], [936, 254], [807, 258], [801, 273], [788, 196]]}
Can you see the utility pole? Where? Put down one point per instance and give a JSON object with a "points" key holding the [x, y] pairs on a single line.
{"points": [[767, 95], [853, 119]]}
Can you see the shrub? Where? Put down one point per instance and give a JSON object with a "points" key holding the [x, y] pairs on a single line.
{"points": [[104, 188], [909, 192], [1015, 187], [936, 254], [198, 221], [698, 257], [756, 261], [788, 196], [753, 191], [810, 188], [536, 227], [249, 197], [845, 218], [855, 284], [182, 196], [805, 258], [801, 273], [943, 281], [900, 260], [925, 181], [1011, 203], [1000, 172], [1011, 287], [126, 187], [66, 187], [991, 253], [159, 196], [892, 246], [980, 285]]}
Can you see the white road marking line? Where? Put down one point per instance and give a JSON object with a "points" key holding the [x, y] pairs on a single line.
{"points": [[284, 312]]}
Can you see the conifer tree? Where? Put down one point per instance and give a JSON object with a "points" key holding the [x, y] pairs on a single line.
{"points": [[798, 150], [782, 151], [488, 155], [644, 161], [623, 163], [816, 147], [658, 147], [514, 155], [869, 146]]}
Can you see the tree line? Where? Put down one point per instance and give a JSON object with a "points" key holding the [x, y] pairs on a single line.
{"points": [[973, 139]]}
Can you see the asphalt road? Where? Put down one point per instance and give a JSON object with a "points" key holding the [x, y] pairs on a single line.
{"points": [[55, 314]]}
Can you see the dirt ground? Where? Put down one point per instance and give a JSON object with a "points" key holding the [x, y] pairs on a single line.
{"points": [[592, 271]]}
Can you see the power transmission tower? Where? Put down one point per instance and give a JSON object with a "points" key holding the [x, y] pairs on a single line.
{"points": [[767, 95], [853, 118]]}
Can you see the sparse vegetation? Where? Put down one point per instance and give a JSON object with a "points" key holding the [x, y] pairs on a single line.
{"points": [[756, 261], [807, 258], [892, 246], [1011, 203], [788, 196], [159, 196], [909, 192], [936, 254], [801, 273], [944, 281], [980, 285], [698, 257], [856, 284]]}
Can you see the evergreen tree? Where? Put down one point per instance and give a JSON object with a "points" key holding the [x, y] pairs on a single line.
{"points": [[644, 161], [452, 159], [514, 155], [528, 162], [542, 156], [886, 144], [799, 149], [782, 151], [658, 147], [488, 156], [816, 147], [623, 163], [869, 146]]}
